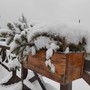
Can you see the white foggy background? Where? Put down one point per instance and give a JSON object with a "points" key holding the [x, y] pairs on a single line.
{"points": [[45, 11]]}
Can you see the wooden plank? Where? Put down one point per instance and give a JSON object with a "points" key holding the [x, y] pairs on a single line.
{"points": [[26, 88], [87, 65], [66, 87], [25, 72], [5, 47], [73, 66], [34, 78], [22, 76], [5, 67], [86, 77], [40, 82], [37, 64], [3, 54]]}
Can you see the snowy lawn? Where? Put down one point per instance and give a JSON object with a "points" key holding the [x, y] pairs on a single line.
{"points": [[79, 84]]}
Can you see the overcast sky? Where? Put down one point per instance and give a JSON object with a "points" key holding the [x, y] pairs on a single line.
{"points": [[45, 10]]}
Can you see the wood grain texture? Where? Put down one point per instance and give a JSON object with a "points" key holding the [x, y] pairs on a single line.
{"points": [[75, 66], [65, 71]]}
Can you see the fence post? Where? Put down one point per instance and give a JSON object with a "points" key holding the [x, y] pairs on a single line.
{"points": [[66, 87]]}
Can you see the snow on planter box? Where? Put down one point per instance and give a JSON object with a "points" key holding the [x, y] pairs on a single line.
{"points": [[68, 67], [70, 39]]}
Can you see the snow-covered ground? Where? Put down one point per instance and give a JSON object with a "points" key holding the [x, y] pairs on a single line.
{"points": [[49, 84]]}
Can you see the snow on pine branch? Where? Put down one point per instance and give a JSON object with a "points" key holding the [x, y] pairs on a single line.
{"points": [[72, 33], [5, 32]]}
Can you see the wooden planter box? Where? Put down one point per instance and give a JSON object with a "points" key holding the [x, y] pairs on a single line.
{"points": [[68, 66]]}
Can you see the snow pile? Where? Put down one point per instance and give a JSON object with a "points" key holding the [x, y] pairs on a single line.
{"points": [[73, 33], [41, 42]]}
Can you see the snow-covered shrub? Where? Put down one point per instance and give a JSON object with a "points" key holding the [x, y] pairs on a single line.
{"points": [[13, 34]]}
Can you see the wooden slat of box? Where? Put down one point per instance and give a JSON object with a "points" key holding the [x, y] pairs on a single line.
{"points": [[75, 66], [68, 67]]}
